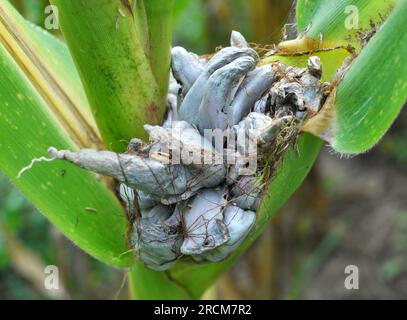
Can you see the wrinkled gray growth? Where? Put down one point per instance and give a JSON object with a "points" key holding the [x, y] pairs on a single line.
{"points": [[218, 93], [238, 223], [128, 196], [204, 225], [173, 86], [145, 200], [251, 90], [300, 92], [157, 239], [172, 110], [246, 193], [189, 109], [187, 205], [153, 173], [258, 127], [237, 40], [186, 67], [313, 92], [188, 139], [315, 67], [137, 172], [260, 106]]}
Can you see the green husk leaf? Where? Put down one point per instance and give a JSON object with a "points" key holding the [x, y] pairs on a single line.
{"points": [[339, 22], [372, 92], [331, 61]]}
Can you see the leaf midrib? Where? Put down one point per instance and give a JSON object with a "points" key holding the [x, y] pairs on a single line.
{"points": [[60, 104]]}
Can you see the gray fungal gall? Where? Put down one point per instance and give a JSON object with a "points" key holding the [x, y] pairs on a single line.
{"points": [[194, 196]]}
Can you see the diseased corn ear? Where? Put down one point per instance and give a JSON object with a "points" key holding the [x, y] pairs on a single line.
{"points": [[189, 194]]}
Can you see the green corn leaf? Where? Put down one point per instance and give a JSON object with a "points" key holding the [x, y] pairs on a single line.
{"points": [[328, 24], [146, 284], [331, 61], [371, 94], [33, 10], [109, 52], [72, 199], [315, 16], [47, 59]]}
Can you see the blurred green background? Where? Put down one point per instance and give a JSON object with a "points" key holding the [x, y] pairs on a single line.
{"points": [[348, 211]]}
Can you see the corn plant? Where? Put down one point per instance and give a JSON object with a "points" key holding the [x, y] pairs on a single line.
{"points": [[108, 86]]}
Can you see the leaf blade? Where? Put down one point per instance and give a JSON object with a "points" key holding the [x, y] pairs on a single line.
{"points": [[328, 24], [372, 92], [74, 200], [48, 62]]}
